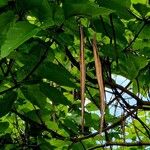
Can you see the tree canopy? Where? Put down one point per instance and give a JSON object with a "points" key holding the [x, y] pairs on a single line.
{"points": [[74, 74]]}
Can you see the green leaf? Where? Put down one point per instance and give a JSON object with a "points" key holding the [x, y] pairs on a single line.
{"points": [[77, 146], [142, 83], [134, 26], [111, 51], [145, 51], [41, 9], [54, 95], [143, 9], [116, 4], [56, 73], [139, 1], [3, 3], [37, 99], [145, 32], [121, 8], [105, 28], [92, 117], [59, 16], [6, 103], [17, 35], [44, 144], [114, 135], [52, 125], [87, 9], [141, 44], [60, 144], [34, 115], [65, 39], [91, 107], [71, 26], [5, 19], [136, 63], [69, 122], [3, 126]]}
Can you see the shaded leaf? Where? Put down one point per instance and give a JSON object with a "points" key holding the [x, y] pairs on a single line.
{"points": [[143, 9], [56, 73], [5, 19], [3, 3], [6, 102], [37, 99], [121, 8], [38, 115], [77, 146], [145, 32], [3, 126], [40, 8], [136, 63], [87, 9], [69, 122], [54, 95]]}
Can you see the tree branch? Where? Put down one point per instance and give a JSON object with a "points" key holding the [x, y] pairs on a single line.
{"points": [[121, 144], [76, 139], [42, 126], [135, 37]]}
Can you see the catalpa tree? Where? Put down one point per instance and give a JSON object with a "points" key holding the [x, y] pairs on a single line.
{"points": [[74, 74]]}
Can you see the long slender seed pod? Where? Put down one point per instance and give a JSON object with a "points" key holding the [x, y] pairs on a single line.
{"points": [[99, 75], [82, 76]]}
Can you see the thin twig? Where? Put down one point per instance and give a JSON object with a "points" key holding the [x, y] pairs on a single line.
{"points": [[108, 127], [135, 37], [43, 127], [114, 37]]}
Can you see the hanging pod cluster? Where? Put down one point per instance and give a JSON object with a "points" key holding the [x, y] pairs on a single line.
{"points": [[99, 76]]}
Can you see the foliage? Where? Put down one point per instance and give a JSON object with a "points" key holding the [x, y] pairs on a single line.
{"points": [[40, 74]]}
